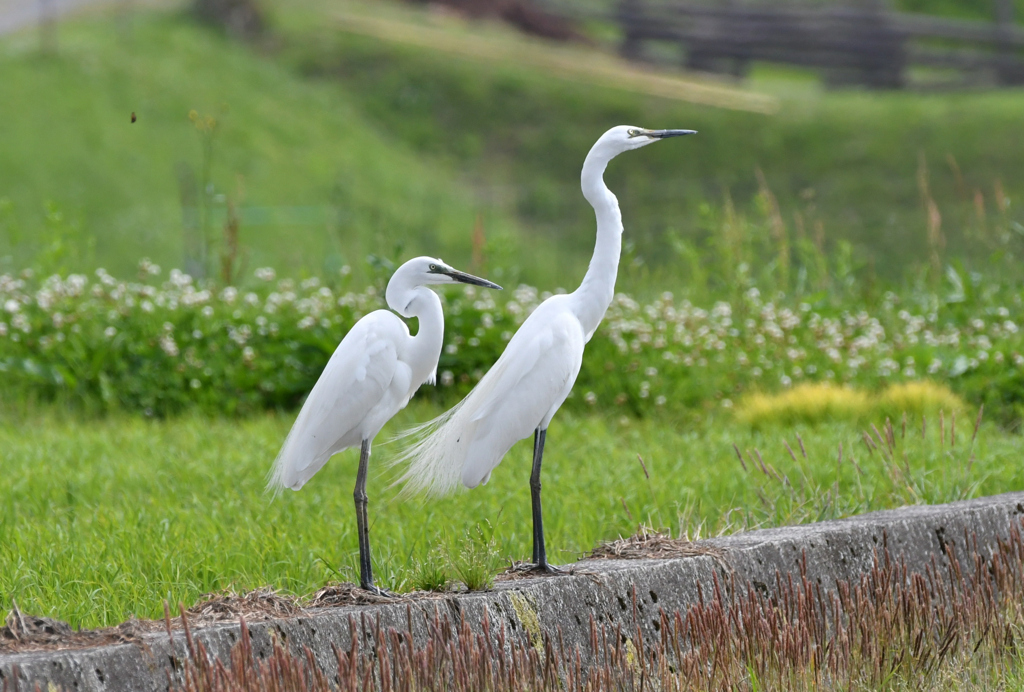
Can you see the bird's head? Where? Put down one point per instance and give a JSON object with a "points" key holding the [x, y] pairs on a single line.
{"points": [[425, 271], [627, 137], [434, 271]]}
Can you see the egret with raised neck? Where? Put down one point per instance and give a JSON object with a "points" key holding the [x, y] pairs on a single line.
{"points": [[520, 394]]}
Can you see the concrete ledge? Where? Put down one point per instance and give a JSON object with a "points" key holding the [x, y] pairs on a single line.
{"points": [[632, 593]]}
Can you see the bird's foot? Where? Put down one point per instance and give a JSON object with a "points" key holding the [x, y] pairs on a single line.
{"points": [[377, 591], [544, 568]]}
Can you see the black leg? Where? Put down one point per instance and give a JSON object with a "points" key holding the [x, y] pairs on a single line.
{"points": [[540, 556], [363, 526]]}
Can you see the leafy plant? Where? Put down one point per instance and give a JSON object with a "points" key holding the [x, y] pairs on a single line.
{"points": [[474, 559], [432, 573]]}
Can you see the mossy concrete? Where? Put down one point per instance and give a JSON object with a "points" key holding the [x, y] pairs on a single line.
{"points": [[631, 593]]}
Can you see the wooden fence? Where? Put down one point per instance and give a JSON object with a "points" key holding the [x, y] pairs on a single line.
{"points": [[865, 43]]}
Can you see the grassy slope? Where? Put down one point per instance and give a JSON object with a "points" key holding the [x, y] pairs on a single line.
{"points": [[67, 137], [967, 9], [525, 134], [380, 123], [147, 510]]}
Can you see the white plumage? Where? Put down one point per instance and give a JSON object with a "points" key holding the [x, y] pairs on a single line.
{"points": [[365, 383], [522, 391], [371, 376], [518, 395]]}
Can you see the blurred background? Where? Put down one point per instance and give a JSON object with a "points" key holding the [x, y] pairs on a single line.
{"points": [[309, 135]]}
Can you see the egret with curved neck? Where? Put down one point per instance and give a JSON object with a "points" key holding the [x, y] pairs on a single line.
{"points": [[522, 391], [373, 373]]}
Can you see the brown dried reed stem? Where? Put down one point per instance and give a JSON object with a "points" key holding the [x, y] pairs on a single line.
{"points": [[890, 625]]}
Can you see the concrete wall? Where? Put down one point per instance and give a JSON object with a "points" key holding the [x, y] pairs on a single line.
{"points": [[628, 592]]}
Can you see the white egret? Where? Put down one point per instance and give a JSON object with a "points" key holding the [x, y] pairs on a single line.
{"points": [[522, 391], [371, 376]]}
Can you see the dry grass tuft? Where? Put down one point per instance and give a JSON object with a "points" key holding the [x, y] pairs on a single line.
{"points": [[650, 544], [344, 594], [22, 633], [260, 604]]}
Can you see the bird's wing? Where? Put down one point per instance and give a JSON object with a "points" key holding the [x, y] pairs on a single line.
{"points": [[529, 381], [355, 381]]}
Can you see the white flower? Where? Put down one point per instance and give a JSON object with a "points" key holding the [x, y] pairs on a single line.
{"points": [[265, 274], [229, 294], [12, 305], [590, 398], [195, 384], [109, 332], [168, 345], [447, 378], [451, 349], [180, 279], [660, 400], [75, 284]]}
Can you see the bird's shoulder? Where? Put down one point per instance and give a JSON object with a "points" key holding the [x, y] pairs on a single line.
{"points": [[544, 356], [551, 335], [379, 324], [370, 349], [552, 323]]}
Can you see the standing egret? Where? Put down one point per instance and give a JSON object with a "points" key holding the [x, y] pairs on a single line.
{"points": [[371, 376], [522, 391]]}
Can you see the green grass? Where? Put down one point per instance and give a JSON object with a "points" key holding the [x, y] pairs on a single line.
{"points": [[324, 187], [106, 518], [348, 146], [848, 159]]}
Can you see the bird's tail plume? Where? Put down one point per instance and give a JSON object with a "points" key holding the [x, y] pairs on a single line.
{"points": [[431, 455]]}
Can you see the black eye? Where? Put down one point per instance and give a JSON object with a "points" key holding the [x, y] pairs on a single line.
{"points": [[633, 133], [433, 267]]}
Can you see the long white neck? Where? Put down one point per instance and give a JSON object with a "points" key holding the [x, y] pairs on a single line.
{"points": [[595, 294], [422, 303]]}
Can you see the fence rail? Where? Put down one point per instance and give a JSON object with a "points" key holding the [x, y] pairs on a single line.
{"points": [[865, 44]]}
